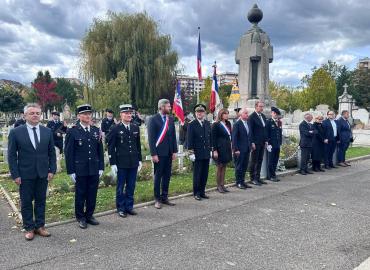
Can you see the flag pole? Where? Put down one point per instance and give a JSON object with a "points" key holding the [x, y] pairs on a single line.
{"points": [[198, 90]]}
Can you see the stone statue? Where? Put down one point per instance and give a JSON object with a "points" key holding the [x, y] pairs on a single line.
{"points": [[253, 56]]}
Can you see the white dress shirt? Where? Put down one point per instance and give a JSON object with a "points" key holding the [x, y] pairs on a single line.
{"points": [[334, 126], [246, 125], [84, 127], [30, 133]]}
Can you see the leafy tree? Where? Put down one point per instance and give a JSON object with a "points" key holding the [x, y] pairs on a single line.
{"points": [[205, 94], [10, 100], [344, 77], [224, 91], [321, 89], [130, 43], [113, 93], [67, 91], [44, 91], [360, 87]]}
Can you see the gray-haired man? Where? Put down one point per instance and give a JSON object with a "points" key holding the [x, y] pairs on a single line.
{"points": [[163, 149]]}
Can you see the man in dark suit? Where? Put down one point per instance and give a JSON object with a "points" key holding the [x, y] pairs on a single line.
{"points": [[106, 123], [124, 149], [85, 164], [331, 134], [58, 128], [21, 121], [306, 131], [199, 146], [257, 124], [32, 165], [345, 137], [163, 149], [275, 139], [241, 140]]}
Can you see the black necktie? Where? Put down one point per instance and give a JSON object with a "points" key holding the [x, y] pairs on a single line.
{"points": [[87, 129], [37, 143], [127, 127]]}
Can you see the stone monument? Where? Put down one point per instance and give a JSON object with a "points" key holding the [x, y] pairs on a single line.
{"points": [[345, 101], [253, 56]]}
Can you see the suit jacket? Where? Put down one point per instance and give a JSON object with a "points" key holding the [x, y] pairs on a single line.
{"points": [[259, 132], [84, 151], [124, 147], [169, 144], [329, 132], [27, 162], [344, 130], [57, 127], [199, 139], [106, 124], [241, 140], [221, 142], [306, 136], [274, 133]]}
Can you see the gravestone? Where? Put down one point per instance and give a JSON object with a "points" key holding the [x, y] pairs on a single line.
{"points": [[362, 115], [297, 116]]}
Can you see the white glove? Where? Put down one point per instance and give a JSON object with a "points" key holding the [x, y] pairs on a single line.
{"points": [[192, 157], [100, 173], [114, 169], [140, 166], [73, 177], [269, 148]]}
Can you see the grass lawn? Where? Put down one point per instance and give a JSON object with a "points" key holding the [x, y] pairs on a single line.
{"points": [[60, 203], [357, 151]]}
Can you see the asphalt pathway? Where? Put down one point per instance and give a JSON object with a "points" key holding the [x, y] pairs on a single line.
{"points": [[319, 221]]}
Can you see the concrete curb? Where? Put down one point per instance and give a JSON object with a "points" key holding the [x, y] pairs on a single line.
{"points": [[140, 205]]}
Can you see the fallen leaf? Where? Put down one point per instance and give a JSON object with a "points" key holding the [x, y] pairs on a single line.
{"points": [[73, 241]]}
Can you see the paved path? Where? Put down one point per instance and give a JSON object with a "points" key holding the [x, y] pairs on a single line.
{"points": [[319, 221]]}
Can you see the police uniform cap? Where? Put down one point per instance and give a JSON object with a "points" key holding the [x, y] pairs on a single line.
{"points": [[109, 110], [126, 108], [237, 110], [275, 110], [84, 108], [55, 113], [200, 107]]}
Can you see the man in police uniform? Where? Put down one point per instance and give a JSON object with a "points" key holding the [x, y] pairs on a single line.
{"points": [[124, 150], [85, 164], [58, 128], [21, 121], [274, 135], [163, 149], [199, 146], [106, 123]]}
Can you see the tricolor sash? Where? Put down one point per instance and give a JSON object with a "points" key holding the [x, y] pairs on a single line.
{"points": [[163, 132], [226, 129]]}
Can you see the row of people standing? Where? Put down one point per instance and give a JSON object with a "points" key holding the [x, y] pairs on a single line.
{"points": [[320, 139]]}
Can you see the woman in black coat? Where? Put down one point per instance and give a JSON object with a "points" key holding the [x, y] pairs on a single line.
{"points": [[221, 143], [318, 144]]}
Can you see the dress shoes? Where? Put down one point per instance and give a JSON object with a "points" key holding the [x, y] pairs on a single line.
{"points": [[220, 189], [263, 182], [274, 180], [347, 164], [157, 205], [122, 214], [167, 202], [302, 172], [225, 189], [240, 186], [341, 164], [309, 172], [197, 197], [29, 235], [247, 186], [82, 224], [92, 221], [327, 167], [255, 182], [42, 232], [321, 170], [204, 196], [131, 212]]}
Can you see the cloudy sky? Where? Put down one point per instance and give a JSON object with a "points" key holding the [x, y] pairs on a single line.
{"points": [[46, 34]]}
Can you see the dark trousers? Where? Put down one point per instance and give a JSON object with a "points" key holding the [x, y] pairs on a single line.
{"points": [[126, 180], [272, 159], [305, 156], [342, 148], [256, 162], [33, 190], [162, 175], [241, 165], [329, 152], [200, 176], [85, 197], [59, 144]]}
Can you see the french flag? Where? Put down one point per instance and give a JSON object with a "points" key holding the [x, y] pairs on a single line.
{"points": [[177, 104], [215, 98], [199, 58]]}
